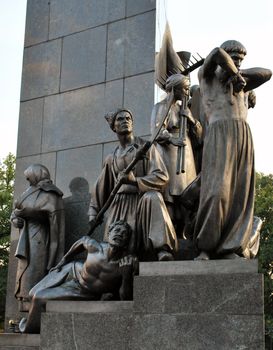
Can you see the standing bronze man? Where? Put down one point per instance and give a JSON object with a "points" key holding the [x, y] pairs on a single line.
{"points": [[138, 201], [225, 214]]}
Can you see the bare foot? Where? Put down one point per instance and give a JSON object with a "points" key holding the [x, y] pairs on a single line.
{"points": [[202, 256]]}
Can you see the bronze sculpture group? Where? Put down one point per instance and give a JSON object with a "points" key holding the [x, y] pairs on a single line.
{"points": [[149, 208]]}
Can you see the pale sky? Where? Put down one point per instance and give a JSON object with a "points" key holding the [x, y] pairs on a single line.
{"points": [[197, 26], [12, 19]]}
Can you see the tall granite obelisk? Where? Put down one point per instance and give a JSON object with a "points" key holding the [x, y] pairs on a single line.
{"points": [[82, 59]]}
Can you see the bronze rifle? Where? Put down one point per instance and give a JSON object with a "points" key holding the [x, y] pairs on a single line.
{"points": [[140, 154]]}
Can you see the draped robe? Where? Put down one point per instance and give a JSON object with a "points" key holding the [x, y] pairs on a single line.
{"points": [[141, 206]]}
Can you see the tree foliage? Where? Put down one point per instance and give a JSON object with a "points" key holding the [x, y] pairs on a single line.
{"points": [[7, 173], [264, 209]]}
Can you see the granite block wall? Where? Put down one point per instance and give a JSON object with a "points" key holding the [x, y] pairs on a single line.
{"points": [[81, 60]]}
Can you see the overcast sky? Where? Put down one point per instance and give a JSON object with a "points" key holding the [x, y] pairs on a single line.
{"points": [[197, 26]]}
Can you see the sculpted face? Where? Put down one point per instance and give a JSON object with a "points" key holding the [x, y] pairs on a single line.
{"points": [[186, 88], [182, 89], [237, 58], [118, 236], [36, 173], [123, 123]]}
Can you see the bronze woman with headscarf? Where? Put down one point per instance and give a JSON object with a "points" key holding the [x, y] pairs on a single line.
{"points": [[39, 215]]}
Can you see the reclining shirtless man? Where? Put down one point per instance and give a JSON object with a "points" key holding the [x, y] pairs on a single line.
{"points": [[107, 270]]}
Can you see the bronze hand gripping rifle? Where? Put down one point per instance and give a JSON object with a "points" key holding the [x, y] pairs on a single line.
{"points": [[183, 114], [180, 162], [140, 154]]}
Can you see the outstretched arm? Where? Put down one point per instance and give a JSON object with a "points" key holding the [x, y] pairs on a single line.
{"points": [[255, 77]]}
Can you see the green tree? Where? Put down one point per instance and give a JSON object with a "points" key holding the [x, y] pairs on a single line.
{"points": [[7, 173], [264, 209]]}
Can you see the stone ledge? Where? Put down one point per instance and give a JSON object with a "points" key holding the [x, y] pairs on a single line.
{"points": [[19, 340], [198, 267], [89, 306]]}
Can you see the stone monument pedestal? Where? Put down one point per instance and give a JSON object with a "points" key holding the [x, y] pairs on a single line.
{"points": [[189, 305]]}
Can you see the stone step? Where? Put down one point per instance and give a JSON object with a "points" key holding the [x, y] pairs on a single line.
{"points": [[89, 306], [237, 294], [168, 268], [17, 341], [101, 331], [215, 305]]}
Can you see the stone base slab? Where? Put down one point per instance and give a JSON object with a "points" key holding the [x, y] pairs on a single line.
{"points": [[189, 305], [151, 331], [214, 305], [10, 341]]}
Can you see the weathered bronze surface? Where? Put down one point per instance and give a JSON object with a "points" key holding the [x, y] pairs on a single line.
{"points": [[170, 140], [225, 214], [150, 193], [106, 274], [138, 201], [39, 215]]}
